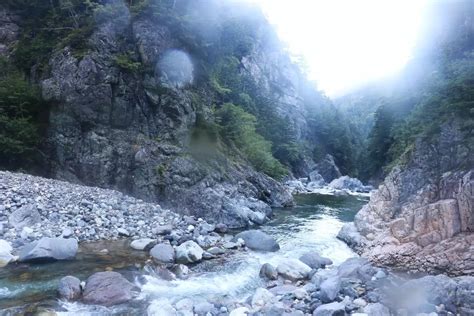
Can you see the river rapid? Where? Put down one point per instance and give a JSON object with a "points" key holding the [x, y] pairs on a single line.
{"points": [[312, 225]]}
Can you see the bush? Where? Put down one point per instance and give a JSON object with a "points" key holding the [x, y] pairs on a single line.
{"points": [[238, 128]]}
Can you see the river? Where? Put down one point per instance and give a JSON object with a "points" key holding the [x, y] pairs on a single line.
{"points": [[312, 225]]}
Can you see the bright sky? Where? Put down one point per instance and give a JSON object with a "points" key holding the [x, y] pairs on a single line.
{"points": [[347, 43]]}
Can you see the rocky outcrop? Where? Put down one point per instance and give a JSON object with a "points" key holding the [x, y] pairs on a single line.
{"points": [[9, 31], [327, 169], [133, 132], [422, 216]]}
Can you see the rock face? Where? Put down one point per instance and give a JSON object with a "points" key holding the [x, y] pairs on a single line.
{"points": [[9, 31], [258, 240], [108, 288], [422, 215], [327, 169], [133, 133], [47, 249]]}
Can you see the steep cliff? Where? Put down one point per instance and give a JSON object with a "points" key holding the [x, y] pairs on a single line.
{"points": [[194, 104], [421, 216]]}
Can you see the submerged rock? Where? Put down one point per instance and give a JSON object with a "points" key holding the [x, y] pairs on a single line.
{"points": [[108, 288], [268, 271], [47, 249], [189, 252], [258, 240], [69, 288]]}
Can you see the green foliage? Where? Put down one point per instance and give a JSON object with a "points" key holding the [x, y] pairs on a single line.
{"points": [[20, 109], [238, 128], [125, 62]]}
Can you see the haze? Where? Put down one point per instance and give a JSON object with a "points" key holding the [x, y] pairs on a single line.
{"points": [[347, 43]]}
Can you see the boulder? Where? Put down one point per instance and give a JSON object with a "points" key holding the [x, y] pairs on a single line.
{"points": [[142, 244], [293, 269], [316, 178], [69, 288], [162, 229], [5, 253], [189, 252], [258, 240], [268, 271], [314, 260], [331, 309], [108, 288], [240, 311], [47, 249], [163, 253], [26, 215], [330, 288]]}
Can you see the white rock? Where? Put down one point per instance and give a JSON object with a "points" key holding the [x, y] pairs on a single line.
{"points": [[161, 308], [141, 244], [360, 302], [241, 311], [293, 269], [5, 253], [261, 298], [189, 252]]}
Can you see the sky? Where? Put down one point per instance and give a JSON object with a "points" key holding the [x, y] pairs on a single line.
{"points": [[347, 43]]}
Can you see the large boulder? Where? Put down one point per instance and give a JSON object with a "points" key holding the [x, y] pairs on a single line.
{"points": [[293, 269], [314, 260], [163, 253], [26, 215], [108, 288], [189, 252], [330, 288], [258, 240], [5, 253], [47, 249], [69, 288]]}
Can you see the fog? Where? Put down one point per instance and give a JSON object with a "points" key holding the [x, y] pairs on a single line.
{"points": [[347, 43]]}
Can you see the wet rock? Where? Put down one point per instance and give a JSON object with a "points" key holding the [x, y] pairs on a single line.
{"points": [[258, 240], [330, 288], [351, 236], [108, 288], [26, 215], [163, 253], [69, 288], [185, 307], [331, 309], [268, 271], [189, 252], [5, 253], [261, 298], [161, 308], [181, 271], [293, 269], [47, 249], [204, 308], [314, 260], [142, 244]]}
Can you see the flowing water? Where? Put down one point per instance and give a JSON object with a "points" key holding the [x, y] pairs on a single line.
{"points": [[310, 226]]}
